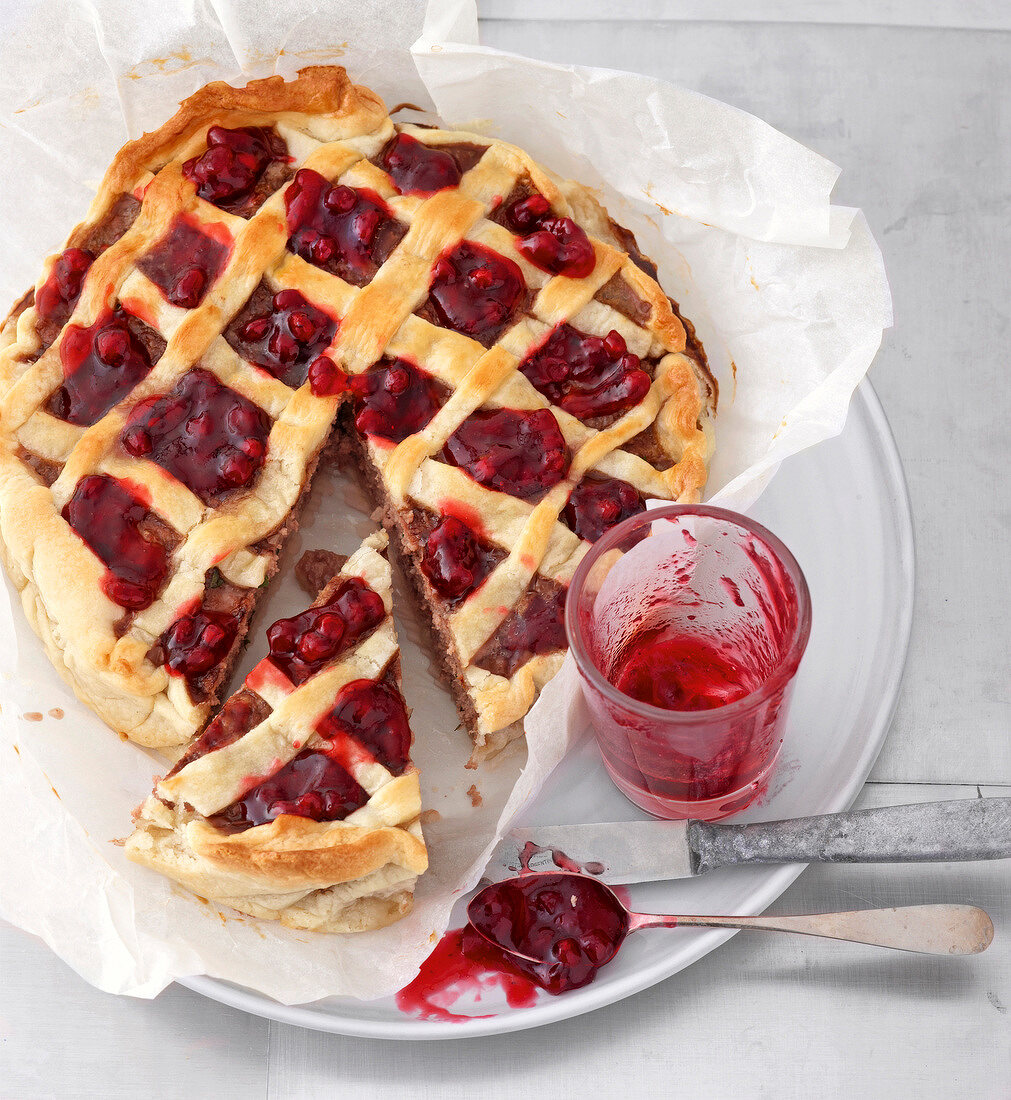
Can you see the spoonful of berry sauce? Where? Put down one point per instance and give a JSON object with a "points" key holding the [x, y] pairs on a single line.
{"points": [[560, 928]]}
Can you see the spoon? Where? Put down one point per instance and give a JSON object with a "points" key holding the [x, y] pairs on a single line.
{"points": [[561, 927]]}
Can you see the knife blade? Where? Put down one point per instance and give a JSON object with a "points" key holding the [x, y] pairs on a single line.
{"points": [[647, 851]]}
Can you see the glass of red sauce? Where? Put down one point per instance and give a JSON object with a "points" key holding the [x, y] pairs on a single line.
{"points": [[687, 624]]}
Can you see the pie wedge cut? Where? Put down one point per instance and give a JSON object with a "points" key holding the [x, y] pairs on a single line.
{"points": [[299, 801], [281, 265]]}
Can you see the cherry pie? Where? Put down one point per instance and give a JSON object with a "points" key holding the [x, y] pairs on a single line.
{"points": [[281, 262], [299, 801]]}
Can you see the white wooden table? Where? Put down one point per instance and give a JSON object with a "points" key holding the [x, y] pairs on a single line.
{"points": [[918, 119]]}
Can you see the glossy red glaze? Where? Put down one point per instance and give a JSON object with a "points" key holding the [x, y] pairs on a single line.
{"points": [[185, 262], [394, 399], [326, 379], [234, 162], [587, 376], [312, 785], [372, 713], [476, 291], [532, 630], [286, 340], [515, 451], [208, 436], [56, 298], [456, 560], [334, 227], [303, 644], [101, 364], [108, 517], [196, 642], [554, 244], [599, 503], [418, 169]]}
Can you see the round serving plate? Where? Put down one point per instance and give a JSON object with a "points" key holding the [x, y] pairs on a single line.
{"points": [[843, 510]]}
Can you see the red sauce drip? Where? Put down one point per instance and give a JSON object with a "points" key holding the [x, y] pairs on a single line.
{"points": [[536, 628], [510, 450], [371, 713], [334, 227], [198, 641], [312, 785], [569, 922], [108, 518], [418, 169], [101, 364], [462, 964], [209, 437], [667, 668], [286, 340], [185, 262], [302, 645], [599, 503], [456, 560], [476, 291], [234, 162], [587, 376], [58, 295], [554, 244], [394, 399]]}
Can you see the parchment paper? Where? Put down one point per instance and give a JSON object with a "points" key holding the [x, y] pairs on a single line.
{"points": [[787, 292]]}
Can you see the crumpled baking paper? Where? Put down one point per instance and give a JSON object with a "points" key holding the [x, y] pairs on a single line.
{"points": [[787, 292]]}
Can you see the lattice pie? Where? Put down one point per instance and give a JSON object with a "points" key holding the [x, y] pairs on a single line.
{"points": [[279, 265]]}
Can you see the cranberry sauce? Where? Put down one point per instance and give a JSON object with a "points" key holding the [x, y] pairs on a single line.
{"points": [[209, 437], [302, 645], [456, 560], [476, 291], [199, 640], [418, 169], [284, 336], [570, 924], [312, 785], [599, 503], [234, 163], [240, 713], [587, 376], [395, 399], [185, 262], [373, 715], [326, 379], [347, 232], [535, 627], [521, 452], [553, 244], [58, 295], [101, 364], [110, 519]]}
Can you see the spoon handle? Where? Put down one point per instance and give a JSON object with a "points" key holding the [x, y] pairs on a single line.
{"points": [[932, 929]]}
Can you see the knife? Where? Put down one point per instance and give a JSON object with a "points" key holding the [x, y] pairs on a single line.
{"points": [[645, 851]]}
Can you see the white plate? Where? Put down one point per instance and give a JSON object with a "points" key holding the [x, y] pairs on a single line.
{"points": [[843, 509]]}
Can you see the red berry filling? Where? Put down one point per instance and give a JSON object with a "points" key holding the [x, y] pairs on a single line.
{"points": [[209, 437], [551, 243], [286, 339], [587, 376], [512, 451], [476, 291], [58, 295], [373, 714], [185, 262], [312, 785], [537, 626], [418, 169], [599, 503], [234, 162], [345, 231], [101, 364], [394, 399], [302, 645], [456, 561], [196, 642], [108, 517], [326, 379]]}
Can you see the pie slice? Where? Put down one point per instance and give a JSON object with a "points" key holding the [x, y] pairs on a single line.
{"points": [[282, 261], [299, 801]]}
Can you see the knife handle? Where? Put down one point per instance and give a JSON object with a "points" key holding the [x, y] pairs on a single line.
{"points": [[978, 828]]}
